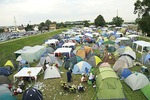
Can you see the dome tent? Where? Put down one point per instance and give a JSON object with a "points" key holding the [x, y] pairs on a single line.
{"points": [[32, 94]]}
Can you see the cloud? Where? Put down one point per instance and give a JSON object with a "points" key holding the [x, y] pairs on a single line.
{"points": [[37, 11]]}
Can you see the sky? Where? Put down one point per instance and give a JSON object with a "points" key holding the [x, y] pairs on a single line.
{"points": [[37, 11]]}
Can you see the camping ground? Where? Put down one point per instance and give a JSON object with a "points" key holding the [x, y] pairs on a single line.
{"points": [[51, 88]]}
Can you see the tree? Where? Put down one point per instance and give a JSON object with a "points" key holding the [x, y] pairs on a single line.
{"points": [[86, 23], [118, 21], [29, 28], [47, 23], [99, 21], [142, 8], [42, 24]]}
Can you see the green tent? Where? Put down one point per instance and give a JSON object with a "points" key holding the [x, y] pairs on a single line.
{"points": [[146, 91], [109, 42], [108, 85]]}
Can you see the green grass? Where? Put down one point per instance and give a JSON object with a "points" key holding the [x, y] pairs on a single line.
{"points": [[52, 89]]}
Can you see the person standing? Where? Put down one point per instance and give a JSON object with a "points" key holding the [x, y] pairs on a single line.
{"points": [[69, 76]]}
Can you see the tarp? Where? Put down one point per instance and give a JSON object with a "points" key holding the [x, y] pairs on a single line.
{"points": [[136, 81], [108, 85], [51, 72], [146, 91], [79, 68], [24, 72]]}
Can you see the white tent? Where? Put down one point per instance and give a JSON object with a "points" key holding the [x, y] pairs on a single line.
{"points": [[51, 72], [31, 54], [131, 53], [52, 41], [68, 45], [24, 72], [63, 50], [140, 45], [136, 81]]}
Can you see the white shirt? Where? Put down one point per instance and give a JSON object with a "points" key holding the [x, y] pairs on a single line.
{"points": [[19, 90]]}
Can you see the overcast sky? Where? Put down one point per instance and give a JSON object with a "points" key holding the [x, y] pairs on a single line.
{"points": [[38, 11]]}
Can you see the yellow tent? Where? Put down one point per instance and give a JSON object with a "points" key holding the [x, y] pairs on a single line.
{"points": [[9, 64]]}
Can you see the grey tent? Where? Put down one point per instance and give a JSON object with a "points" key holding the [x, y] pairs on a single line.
{"points": [[4, 80]]}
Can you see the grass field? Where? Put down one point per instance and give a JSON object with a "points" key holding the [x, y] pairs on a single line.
{"points": [[51, 88]]}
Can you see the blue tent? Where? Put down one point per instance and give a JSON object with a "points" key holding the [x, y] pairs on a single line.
{"points": [[7, 97], [125, 72], [5, 71], [79, 68]]}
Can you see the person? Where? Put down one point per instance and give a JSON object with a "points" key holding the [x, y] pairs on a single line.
{"points": [[83, 78], [92, 70], [21, 83], [69, 76], [19, 90], [91, 78], [86, 71]]}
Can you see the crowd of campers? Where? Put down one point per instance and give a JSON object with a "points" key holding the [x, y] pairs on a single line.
{"points": [[103, 57]]}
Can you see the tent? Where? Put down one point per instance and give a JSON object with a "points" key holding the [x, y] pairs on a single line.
{"points": [[4, 89], [81, 53], [32, 94], [136, 81], [121, 50], [69, 63], [108, 85], [63, 50], [109, 58], [79, 68], [123, 62], [51, 72], [145, 59], [31, 54], [95, 46], [49, 50], [9, 64], [94, 60], [4, 80], [5, 71], [24, 72], [146, 90], [7, 97], [141, 46], [123, 73], [130, 53], [108, 42], [105, 64]]}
